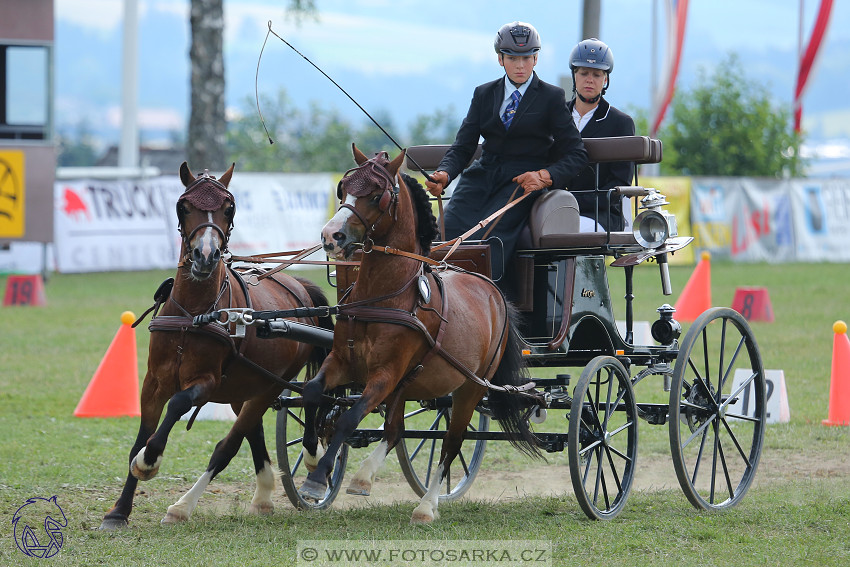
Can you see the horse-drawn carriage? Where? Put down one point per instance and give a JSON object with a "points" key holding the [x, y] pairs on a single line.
{"points": [[412, 321]]}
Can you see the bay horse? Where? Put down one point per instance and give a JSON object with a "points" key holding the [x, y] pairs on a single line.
{"points": [[407, 331], [190, 366]]}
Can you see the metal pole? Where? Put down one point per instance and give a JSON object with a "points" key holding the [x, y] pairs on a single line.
{"points": [[590, 19], [128, 150]]}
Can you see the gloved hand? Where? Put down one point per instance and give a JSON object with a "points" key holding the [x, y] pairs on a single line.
{"points": [[436, 187], [534, 180]]}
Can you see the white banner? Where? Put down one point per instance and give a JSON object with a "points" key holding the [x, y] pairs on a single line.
{"points": [[132, 225], [772, 220], [116, 225]]}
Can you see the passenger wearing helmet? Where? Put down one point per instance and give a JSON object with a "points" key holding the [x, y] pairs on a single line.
{"points": [[591, 63], [539, 147]]}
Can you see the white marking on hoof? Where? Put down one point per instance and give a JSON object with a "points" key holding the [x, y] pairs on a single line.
{"points": [[359, 487], [424, 514], [262, 504], [312, 461], [175, 515], [361, 483], [141, 470], [181, 510]]}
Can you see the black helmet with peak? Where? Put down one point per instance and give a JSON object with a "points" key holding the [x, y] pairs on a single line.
{"points": [[517, 38]]}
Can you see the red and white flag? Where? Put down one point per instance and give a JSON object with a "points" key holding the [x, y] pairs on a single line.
{"points": [[808, 57], [677, 15]]}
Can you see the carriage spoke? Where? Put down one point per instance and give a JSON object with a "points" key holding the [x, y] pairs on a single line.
{"points": [[416, 451], [734, 439], [608, 451], [415, 412], [714, 463], [731, 364], [699, 453], [699, 430], [725, 470]]}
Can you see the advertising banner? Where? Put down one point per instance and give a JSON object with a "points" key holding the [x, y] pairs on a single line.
{"points": [[772, 220], [132, 225]]}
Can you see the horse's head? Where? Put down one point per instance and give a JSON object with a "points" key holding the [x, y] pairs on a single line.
{"points": [[205, 213], [369, 195]]}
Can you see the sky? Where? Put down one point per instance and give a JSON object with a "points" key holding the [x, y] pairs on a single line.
{"points": [[403, 58]]}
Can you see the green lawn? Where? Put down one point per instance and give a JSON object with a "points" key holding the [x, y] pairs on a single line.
{"points": [[797, 512]]}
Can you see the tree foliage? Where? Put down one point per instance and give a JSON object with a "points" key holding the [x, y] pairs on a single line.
{"points": [[318, 139], [728, 125]]}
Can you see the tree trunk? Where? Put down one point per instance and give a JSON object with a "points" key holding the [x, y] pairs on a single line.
{"points": [[207, 125]]}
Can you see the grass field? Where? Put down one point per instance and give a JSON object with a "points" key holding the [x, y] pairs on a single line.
{"points": [[798, 512]]}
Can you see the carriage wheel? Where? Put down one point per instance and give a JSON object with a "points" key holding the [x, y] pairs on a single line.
{"points": [[603, 438], [418, 458], [293, 472], [717, 419]]}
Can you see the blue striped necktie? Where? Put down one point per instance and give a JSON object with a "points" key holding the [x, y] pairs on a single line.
{"points": [[510, 110]]}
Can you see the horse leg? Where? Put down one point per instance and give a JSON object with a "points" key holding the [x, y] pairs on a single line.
{"points": [[375, 391], [224, 452], [311, 395], [361, 483], [119, 515], [262, 503], [145, 465], [464, 400]]}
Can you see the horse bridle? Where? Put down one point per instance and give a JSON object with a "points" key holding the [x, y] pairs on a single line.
{"points": [[388, 200], [224, 233]]}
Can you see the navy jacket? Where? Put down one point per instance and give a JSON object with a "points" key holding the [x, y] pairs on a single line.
{"points": [[542, 132], [607, 122]]}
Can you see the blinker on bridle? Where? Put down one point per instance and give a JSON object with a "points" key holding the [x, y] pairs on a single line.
{"points": [[358, 182], [206, 199]]}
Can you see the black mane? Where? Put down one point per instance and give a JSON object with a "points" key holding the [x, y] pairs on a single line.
{"points": [[425, 220]]}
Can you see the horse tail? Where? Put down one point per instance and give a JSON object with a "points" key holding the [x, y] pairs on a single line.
{"points": [[317, 298], [512, 409]]}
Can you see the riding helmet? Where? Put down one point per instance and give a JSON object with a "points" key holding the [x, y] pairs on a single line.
{"points": [[517, 38], [592, 53]]}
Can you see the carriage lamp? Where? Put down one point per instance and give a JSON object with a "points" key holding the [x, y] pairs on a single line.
{"points": [[654, 225], [666, 329]]}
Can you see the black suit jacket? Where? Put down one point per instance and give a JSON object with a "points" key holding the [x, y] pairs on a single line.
{"points": [[542, 131], [606, 122]]}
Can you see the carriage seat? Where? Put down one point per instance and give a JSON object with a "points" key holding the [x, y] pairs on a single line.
{"points": [[554, 218]]}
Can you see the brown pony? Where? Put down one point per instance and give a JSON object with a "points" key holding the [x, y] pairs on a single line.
{"points": [[190, 366], [405, 332]]}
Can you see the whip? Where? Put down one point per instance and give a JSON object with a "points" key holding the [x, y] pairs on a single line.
{"points": [[257, 96]]}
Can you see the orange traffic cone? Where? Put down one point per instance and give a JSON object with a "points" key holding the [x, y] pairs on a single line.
{"points": [[696, 297], [114, 388], [839, 386]]}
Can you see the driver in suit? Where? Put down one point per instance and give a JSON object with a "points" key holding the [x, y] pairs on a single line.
{"points": [[530, 140]]}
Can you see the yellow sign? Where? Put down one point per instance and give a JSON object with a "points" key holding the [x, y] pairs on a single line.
{"points": [[678, 193], [12, 190]]}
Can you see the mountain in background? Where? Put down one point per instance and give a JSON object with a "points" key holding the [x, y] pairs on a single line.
{"points": [[88, 81]]}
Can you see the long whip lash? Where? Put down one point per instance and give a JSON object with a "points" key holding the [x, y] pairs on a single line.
{"points": [[257, 96]]}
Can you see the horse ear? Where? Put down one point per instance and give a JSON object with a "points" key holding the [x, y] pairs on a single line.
{"points": [[225, 178], [359, 157], [395, 164], [185, 175]]}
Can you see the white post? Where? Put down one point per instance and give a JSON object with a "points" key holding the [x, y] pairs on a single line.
{"points": [[128, 149]]}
